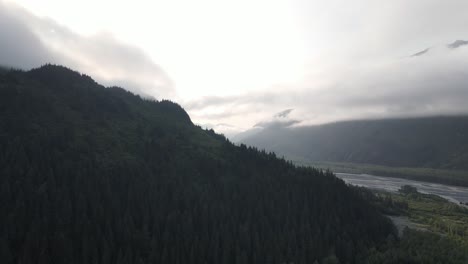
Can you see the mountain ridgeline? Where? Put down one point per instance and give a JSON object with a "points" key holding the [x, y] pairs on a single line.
{"points": [[90, 174], [430, 142]]}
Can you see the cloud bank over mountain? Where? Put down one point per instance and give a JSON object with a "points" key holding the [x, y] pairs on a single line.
{"points": [[360, 61], [433, 83], [28, 41]]}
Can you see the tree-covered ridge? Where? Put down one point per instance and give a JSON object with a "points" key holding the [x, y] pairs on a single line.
{"points": [[98, 175]]}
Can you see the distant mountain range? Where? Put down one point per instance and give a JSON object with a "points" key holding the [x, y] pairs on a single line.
{"points": [[429, 142]]}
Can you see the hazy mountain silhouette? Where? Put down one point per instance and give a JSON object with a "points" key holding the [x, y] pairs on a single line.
{"points": [[431, 142]]}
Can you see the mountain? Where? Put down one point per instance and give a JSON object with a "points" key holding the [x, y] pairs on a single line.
{"points": [[429, 142], [239, 137], [90, 174]]}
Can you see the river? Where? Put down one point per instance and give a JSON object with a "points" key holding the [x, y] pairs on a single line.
{"points": [[454, 194]]}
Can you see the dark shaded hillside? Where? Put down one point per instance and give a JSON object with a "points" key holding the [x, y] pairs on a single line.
{"points": [[98, 175], [433, 142]]}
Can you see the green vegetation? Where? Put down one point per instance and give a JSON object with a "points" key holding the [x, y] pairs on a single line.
{"points": [[3, 69], [451, 177], [431, 211], [98, 175], [419, 247], [446, 240]]}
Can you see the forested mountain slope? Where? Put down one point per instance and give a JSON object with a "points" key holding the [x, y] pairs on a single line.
{"points": [[98, 175], [430, 142]]}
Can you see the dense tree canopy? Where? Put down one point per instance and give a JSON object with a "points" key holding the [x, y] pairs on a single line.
{"points": [[98, 175]]}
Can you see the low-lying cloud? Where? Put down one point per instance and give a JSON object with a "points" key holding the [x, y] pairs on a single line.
{"points": [[457, 44], [279, 120], [19, 46], [366, 70], [284, 113], [420, 53], [433, 84], [28, 41]]}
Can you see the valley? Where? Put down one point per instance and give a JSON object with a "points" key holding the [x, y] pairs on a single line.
{"points": [[455, 194]]}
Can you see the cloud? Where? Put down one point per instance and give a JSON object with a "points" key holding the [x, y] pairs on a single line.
{"points": [[277, 123], [28, 41], [19, 47], [420, 53], [284, 113], [457, 44], [434, 84], [357, 67], [223, 128], [236, 101], [454, 45], [279, 120]]}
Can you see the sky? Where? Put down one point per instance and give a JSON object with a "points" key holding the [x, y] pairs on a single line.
{"points": [[234, 65]]}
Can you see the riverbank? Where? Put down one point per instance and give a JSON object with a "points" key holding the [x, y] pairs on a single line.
{"points": [[430, 229], [403, 222], [424, 212], [449, 177], [455, 194]]}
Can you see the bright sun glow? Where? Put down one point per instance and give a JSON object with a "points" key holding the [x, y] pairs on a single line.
{"points": [[207, 47]]}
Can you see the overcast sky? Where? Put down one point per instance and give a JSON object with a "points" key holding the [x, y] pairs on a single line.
{"points": [[235, 64]]}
